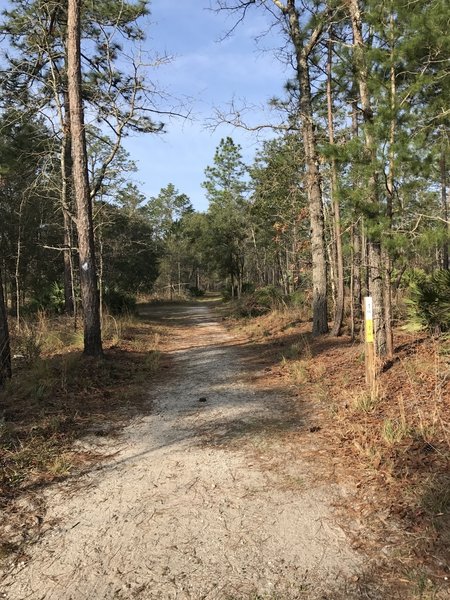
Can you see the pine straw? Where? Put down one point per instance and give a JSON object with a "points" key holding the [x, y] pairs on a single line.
{"points": [[393, 452]]}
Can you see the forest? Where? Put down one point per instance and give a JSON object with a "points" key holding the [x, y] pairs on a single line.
{"points": [[346, 196]]}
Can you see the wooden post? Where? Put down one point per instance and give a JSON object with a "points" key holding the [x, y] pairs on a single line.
{"points": [[369, 346]]}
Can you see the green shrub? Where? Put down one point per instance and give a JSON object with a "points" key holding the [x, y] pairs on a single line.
{"points": [[226, 293], [248, 287], [269, 296], [50, 299], [296, 298], [119, 302], [428, 303]]}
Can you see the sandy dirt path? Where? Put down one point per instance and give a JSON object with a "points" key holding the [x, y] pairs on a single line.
{"points": [[177, 512]]}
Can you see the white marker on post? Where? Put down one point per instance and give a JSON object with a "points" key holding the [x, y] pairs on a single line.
{"points": [[368, 319]]}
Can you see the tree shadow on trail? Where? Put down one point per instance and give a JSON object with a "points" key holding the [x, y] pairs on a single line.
{"points": [[63, 398], [55, 400]]}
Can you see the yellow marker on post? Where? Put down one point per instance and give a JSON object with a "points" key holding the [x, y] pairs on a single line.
{"points": [[370, 346], [368, 319]]}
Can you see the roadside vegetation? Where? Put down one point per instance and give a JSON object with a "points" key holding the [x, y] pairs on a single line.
{"points": [[391, 450]]}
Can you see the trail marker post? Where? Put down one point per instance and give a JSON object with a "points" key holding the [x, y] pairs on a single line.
{"points": [[369, 345]]}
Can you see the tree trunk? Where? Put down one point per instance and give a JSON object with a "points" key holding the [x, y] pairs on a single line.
{"points": [[84, 221], [314, 192], [357, 242], [339, 305], [66, 198], [282, 274], [69, 287], [17, 265], [100, 272], [356, 268], [445, 212], [5, 352], [374, 245], [387, 263], [376, 289]]}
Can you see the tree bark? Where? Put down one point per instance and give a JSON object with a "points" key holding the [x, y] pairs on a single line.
{"points": [[313, 187], [5, 352], [339, 305], [84, 221], [374, 244], [357, 242], [66, 198], [445, 212], [17, 265], [387, 285]]}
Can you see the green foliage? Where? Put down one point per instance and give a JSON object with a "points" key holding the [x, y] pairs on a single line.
{"points": [[166, 210], [269, 296], [49, 298], [429, 302], [296, 299], [228, 212], [129, 252]]}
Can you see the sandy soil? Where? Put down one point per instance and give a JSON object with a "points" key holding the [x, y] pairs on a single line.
{"points": [[183, 508]]}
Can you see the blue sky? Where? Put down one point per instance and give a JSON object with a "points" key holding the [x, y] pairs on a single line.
{"points": [[211, 72]]}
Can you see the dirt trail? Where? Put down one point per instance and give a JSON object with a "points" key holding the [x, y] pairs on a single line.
{"points": [[178, 512]]}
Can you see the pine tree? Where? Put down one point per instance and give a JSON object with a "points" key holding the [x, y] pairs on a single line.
{"points": [[228, 209], [84, 221]]}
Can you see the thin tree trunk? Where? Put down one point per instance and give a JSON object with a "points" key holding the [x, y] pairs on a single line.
{"points": [[288, 272], [100, 272], [66, 197], [352, 286], [331, 253], [339, 305], [374, 245], [357, 241], [69, 304], [319, 266], [257, 262], [17, 266], [282, 275], [84, 221], [17, 279], [5, 352], [445, 211], [356, 263], [387, 285]]}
